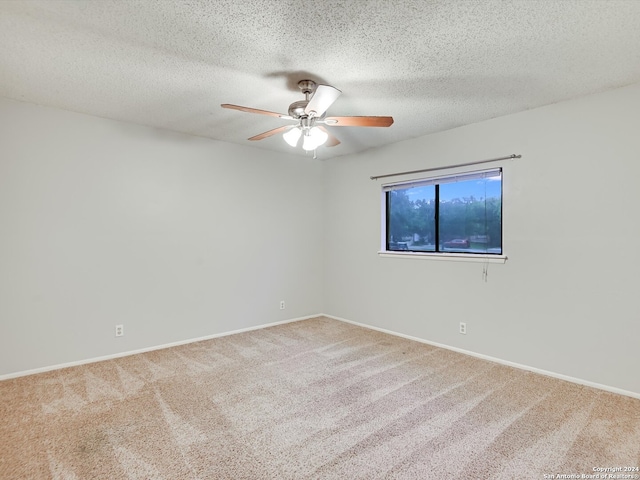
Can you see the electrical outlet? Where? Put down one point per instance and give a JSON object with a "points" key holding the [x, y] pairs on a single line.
{"points": [[119, 330], [281, 304], [463, 328]]}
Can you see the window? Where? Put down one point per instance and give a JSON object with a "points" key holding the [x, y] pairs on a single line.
{"points": [[457, 213]]}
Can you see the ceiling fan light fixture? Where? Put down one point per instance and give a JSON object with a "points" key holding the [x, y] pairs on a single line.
{"points": [[314, 138], [292, 136]]}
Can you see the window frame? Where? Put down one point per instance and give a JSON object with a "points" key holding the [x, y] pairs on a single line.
{"points": [[484, 257]]}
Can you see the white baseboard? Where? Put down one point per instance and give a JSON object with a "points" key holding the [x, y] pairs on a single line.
{"points": [[148, 349], [547, 373]]}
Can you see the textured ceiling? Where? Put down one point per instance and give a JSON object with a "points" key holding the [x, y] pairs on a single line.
{"points": [[432, 65]]}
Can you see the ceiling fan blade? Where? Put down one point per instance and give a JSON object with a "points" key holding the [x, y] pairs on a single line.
{"points": [[322, 99], [271, 132], [359, 121], [332, 141], [255, 110]]}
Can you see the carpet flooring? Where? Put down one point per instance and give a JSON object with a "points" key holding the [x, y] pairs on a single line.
{"points": [[315, 399]]}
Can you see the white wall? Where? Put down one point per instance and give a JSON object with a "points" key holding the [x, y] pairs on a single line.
{"points": [[175, 237], [567, 300], [179, 237]]}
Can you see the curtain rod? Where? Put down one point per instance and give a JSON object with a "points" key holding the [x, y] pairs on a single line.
{"points": [[444, 168]]}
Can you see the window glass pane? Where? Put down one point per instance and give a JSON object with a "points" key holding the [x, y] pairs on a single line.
{"points": [[411, 219], [470, 216]]}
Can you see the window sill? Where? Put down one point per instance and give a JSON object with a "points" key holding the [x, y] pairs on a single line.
{"points": [[448, 257]]}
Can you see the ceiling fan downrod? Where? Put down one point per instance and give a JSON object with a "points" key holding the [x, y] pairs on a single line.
{"points": [[297, 109], [307, 87]]}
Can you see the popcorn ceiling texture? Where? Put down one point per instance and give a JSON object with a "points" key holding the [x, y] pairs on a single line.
{"points": [[312, 399], [432, 65]]}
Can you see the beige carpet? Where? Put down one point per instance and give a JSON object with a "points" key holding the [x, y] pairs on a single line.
{"points": [[311, 399]]}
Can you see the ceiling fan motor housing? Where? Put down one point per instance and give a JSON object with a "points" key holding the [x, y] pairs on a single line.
{"points": [[296, 109]]}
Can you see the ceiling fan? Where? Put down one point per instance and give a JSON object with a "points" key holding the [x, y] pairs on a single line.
{"points": [[310, 117]]}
